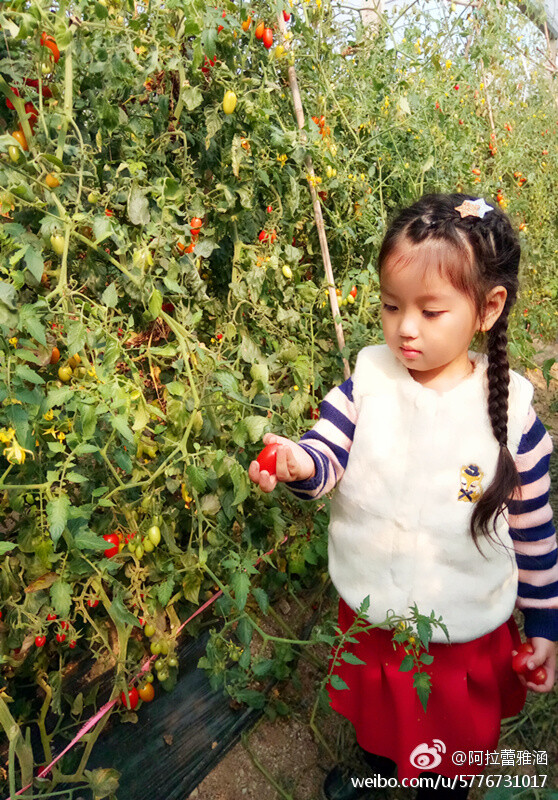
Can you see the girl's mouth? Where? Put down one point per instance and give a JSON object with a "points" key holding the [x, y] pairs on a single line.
{"points": [[410, 353]]}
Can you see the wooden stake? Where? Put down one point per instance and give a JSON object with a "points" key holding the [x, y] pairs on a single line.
{"points": [[293, 83]]}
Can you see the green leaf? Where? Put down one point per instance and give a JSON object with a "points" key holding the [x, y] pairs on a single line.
{"points": [[164, 592], [241, 483], [546, 367], [191, 586], [57, 514], [75, 477], [256, 427], [76, 337], [338, 683], [240, 584], [120, 424], [244, 631], [262, 598], [422, 684], [120, 614], [252, 698], [27, 374], [87, 540], [103, 782], [30, 321], [196, 477], [61, 597], [8, 295], [138, 207], [110, 296], [426, 658], [407, 664], [34, 263], [5, 547], [192, 97], [350, 658], [155, 303]]}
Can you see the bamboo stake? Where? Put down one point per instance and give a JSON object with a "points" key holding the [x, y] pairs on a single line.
{"points": [[293, 83]]}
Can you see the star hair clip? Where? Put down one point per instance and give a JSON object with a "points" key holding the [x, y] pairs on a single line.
{"points": [[473, 208]]}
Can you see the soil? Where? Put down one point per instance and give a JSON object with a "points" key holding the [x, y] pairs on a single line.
{"points": [[284, 760]]}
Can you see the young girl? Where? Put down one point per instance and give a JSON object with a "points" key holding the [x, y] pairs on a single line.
{"points": [[441, 468]]}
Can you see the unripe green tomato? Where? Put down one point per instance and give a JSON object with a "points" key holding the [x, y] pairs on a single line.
{"points": [[287, 271], [139, 551], [148, 545], [159, 664], [149, 677], [149, 630], [93, 198], [162, 675], [173, 662], [157, 519], [164, 648], [154, 534], [155, 648], [13, 152], [45, 68], [132, 546], [57, 243], [65, 373]]}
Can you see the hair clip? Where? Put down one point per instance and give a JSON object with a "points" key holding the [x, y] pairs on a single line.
{"points": [[474, 208]]}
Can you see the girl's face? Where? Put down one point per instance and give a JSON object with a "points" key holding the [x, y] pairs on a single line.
{"points": [[428, 324]]}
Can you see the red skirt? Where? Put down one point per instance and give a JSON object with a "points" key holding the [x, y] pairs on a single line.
{"points": [[473, 688]]}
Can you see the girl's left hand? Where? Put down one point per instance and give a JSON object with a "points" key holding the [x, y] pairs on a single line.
{"points": [[544, 656]]}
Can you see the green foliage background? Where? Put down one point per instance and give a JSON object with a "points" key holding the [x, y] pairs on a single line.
{"points": [[187, 358]]}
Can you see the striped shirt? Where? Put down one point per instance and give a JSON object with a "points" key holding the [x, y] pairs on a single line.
{"points": [[530, 518]]}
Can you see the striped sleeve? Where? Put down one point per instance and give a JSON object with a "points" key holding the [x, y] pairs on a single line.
{"points": [[328, 443], [534, 535]]}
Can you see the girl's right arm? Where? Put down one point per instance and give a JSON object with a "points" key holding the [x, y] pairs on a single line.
{"points": [[315, 465]]}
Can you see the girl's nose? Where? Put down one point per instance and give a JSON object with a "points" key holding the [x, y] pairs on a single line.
{"points": [[408, 326]]}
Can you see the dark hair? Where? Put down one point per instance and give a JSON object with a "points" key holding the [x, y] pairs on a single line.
{"points": [[476, 254]]}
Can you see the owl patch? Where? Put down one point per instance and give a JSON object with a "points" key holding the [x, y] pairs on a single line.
{"points": [[471, 489]]}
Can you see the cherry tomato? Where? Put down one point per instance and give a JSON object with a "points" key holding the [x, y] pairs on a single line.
{"points": [[51, 616], [537, 675], [246, 24], [190, 248], [72, 644], [149, 630], [60, 637], [269, 209], [52, 181], [262, 236], [524, 653], [55, 355], [40, 640], [195, 224], [147, 693], [273, 236], [154, 534], [64, 625], [267, 37], [133, 698], [74, 360], [173, 662], [112, 539], [57, 243], [260, 27], [13, 152], [287, 271], [267, 459], [229, 102], [155, 648], [93, 602], [65, 373], [286, 15], [19, 136], [50, 42], [353, 291], [31, 112]]}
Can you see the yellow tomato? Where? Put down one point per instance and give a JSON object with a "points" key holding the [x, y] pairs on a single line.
{"points": [[229, 102]]}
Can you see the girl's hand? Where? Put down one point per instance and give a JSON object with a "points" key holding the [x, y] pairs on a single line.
{"points": [[293, 464], [544, 656]]}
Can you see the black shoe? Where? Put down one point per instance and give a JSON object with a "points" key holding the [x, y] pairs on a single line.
{"points": [[338, 785]]}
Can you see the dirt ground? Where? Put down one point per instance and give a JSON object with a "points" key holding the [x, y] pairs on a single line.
{"points": [[282, 759]]}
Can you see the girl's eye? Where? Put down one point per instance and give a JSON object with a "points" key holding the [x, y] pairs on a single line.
{"points": [[432, 314], [389, 308]]}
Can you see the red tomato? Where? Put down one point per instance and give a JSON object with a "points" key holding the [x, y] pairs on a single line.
{"points": [[40, 640], [269, 209], [9, 102], [353, 291], [133, 697], [60, 637], [195, 224], [50, 42], [267, 459], [64, 625], [93, 602], [524, 653], [260, 27], [286, 16], [537, 675], [112, 539], [72, 644], [51, 616], [262, 236], [267, 37]]}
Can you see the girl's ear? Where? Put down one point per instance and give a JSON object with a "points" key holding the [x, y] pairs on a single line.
{"points": [[495, 301]]}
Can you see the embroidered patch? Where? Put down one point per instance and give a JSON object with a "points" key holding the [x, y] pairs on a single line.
{"points": [[471, 489]]}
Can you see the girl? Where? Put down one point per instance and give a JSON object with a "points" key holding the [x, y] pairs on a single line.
{"points": [[441, 468]]}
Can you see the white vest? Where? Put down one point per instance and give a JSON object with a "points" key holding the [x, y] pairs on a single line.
{"points": [[400, 517]]}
